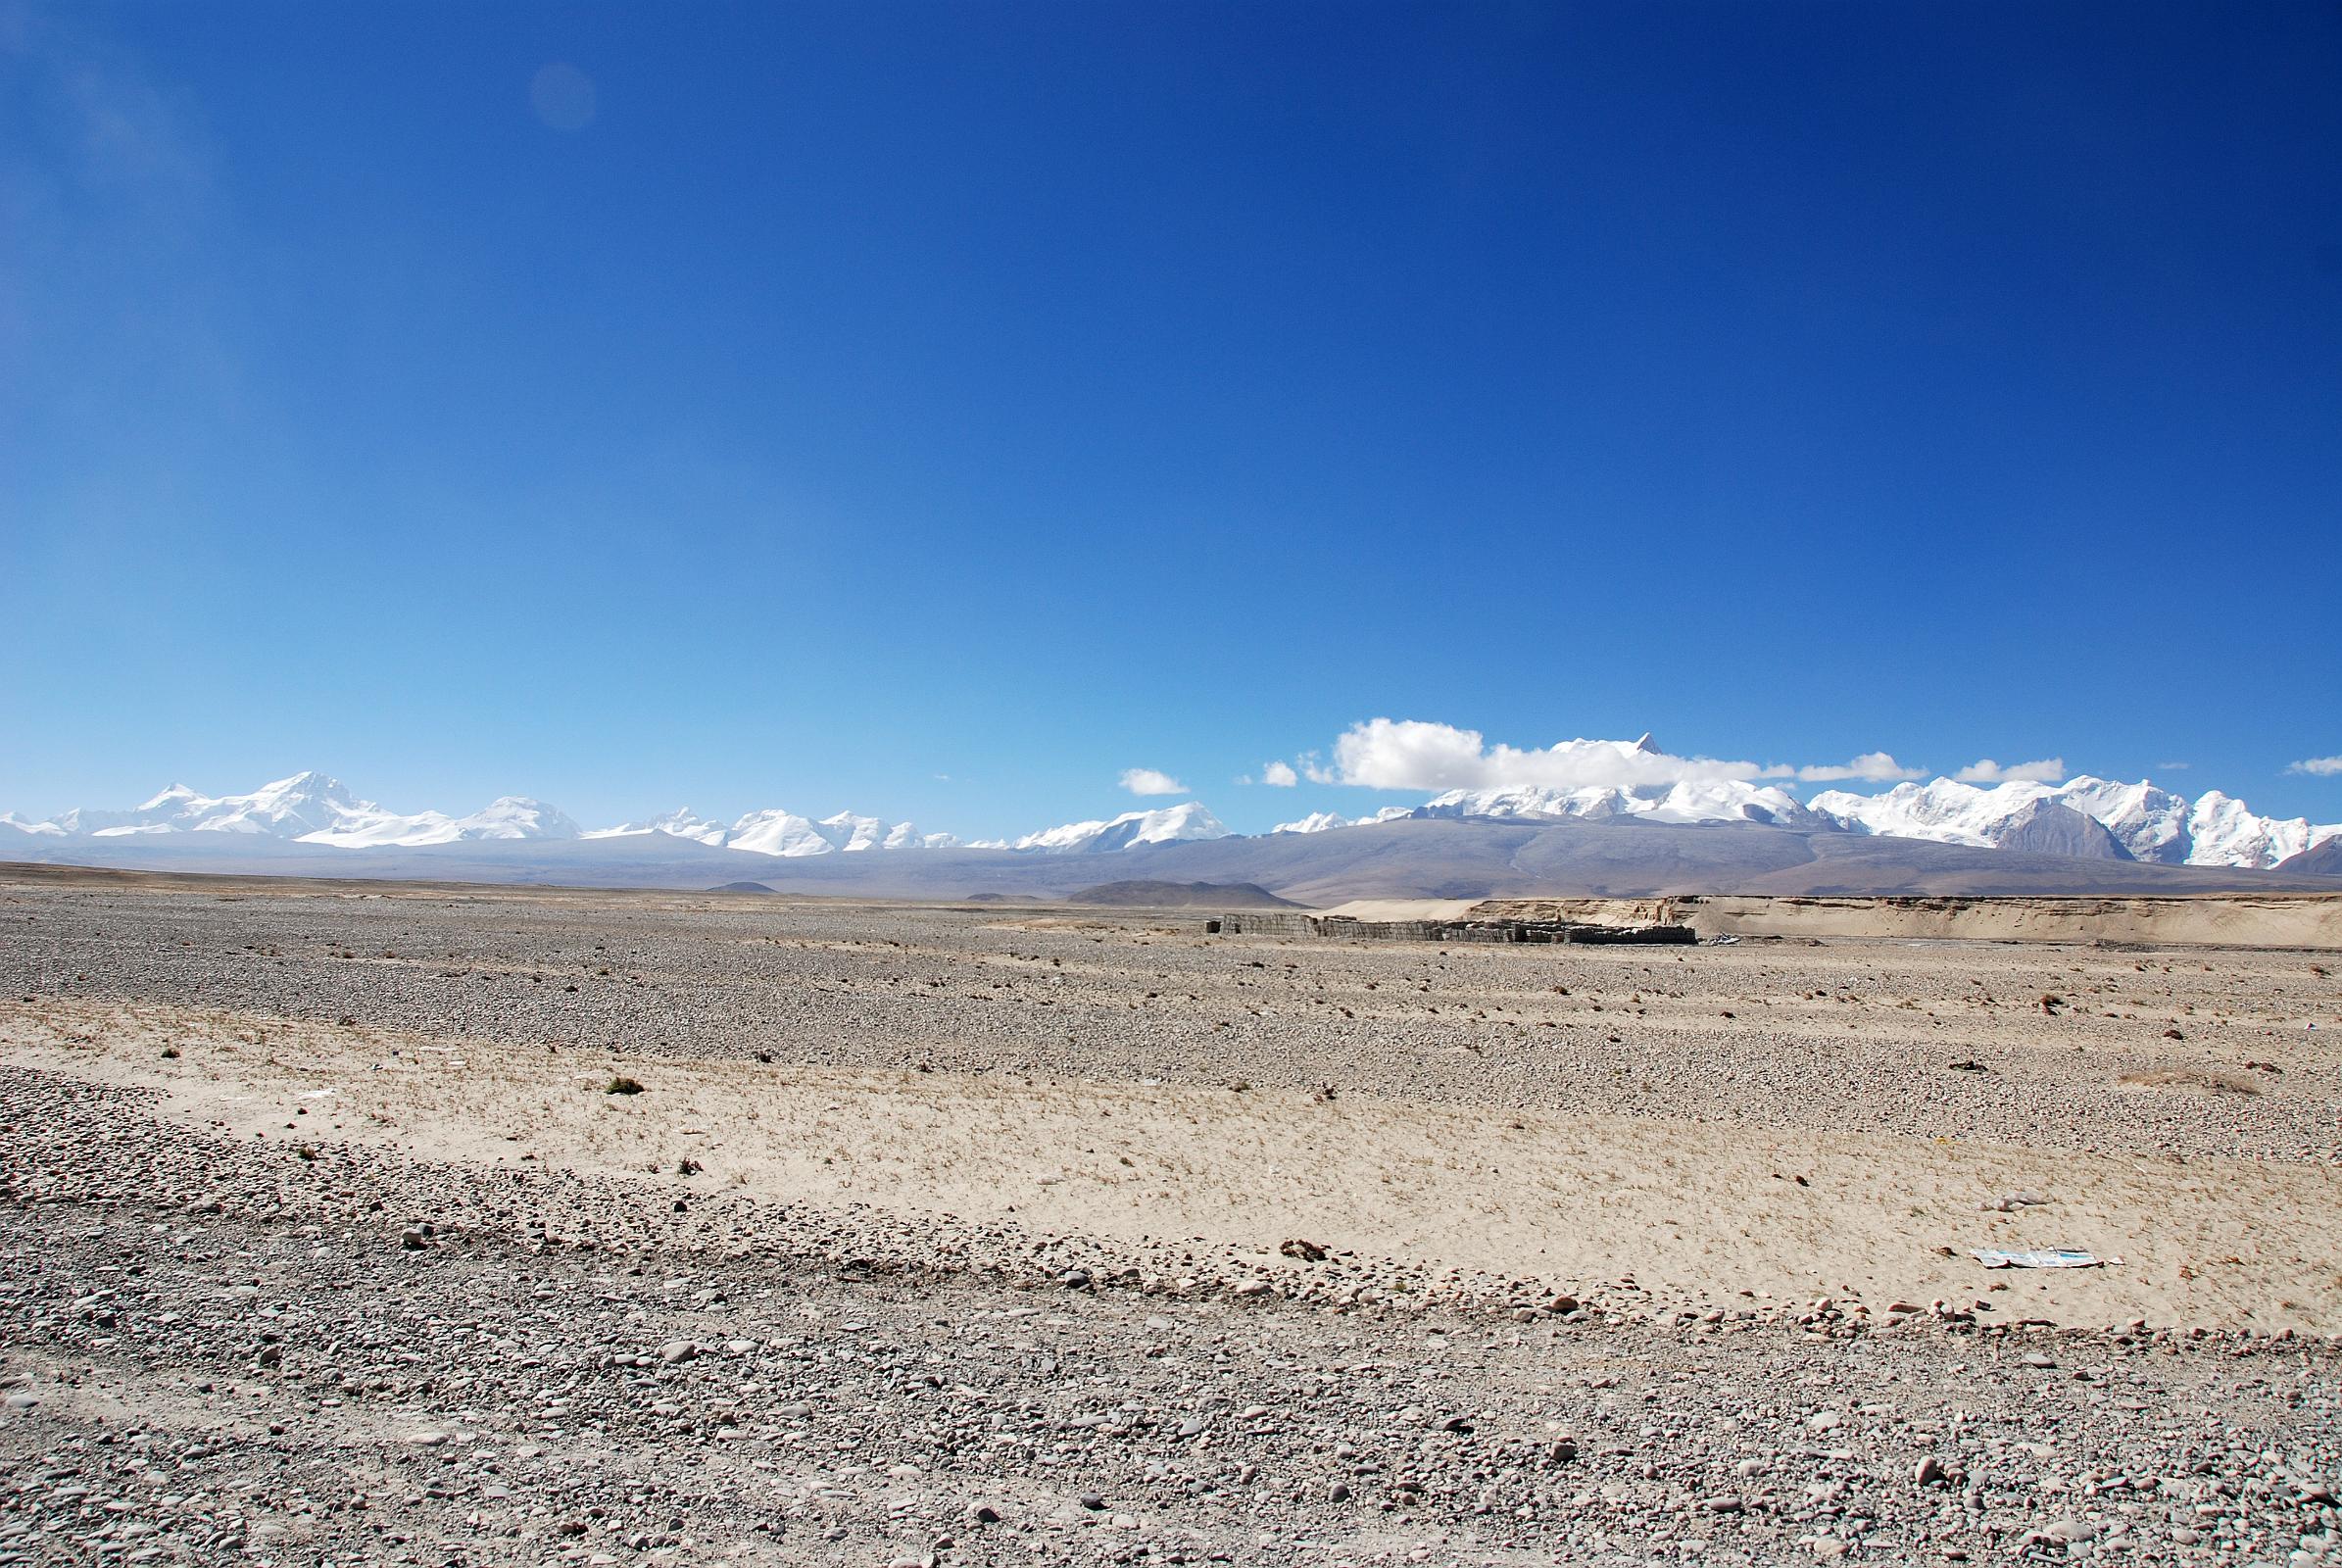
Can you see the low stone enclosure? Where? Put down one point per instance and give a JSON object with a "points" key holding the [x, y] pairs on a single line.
{"points": [[1296, 923]]}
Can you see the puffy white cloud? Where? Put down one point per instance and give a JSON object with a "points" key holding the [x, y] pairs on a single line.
{"points": [[1406, 754], [2323, 767], [1874, 767], [1985, 770], [1279, 774], [1150, 781]]}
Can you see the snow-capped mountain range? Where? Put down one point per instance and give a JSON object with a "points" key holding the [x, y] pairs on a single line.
{"points": [[1722, 801], [2141, 822], [783, 833], [1168, 825], [310, 807], [2089, 817], [314, 809], [2086, 817]]}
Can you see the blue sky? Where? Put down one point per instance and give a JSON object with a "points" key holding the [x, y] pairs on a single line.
{"points": [[938, 411]]}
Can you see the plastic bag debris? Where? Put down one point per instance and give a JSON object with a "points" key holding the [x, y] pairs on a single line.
{"points": [[2044, 1257]]}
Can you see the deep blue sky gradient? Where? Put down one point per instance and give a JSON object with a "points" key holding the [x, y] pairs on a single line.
{"points": [[1022, 393]]}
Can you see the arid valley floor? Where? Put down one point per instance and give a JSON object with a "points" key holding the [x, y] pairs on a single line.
{"points": [[1022, 1235]]}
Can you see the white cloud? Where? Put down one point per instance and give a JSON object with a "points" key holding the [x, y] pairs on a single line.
{"points": [[1871, 767], [2170, 767], [1985, 770], [1406, 754], [1413, 754], [1150, 781], [2323, 767], [1279, 774]]}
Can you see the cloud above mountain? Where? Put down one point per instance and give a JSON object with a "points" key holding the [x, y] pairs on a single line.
{"points": [[1871, 767], [1150, 781], [1405, 754], [2317, 766], [1985, 770]]}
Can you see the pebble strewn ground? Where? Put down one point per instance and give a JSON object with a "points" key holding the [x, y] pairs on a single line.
{"points": [[222, 1347], [217, 1348], [1850, 1034]]}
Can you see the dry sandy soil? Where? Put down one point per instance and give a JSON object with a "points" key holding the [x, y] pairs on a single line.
{"points": [[1698, 1210], [1708, 1176]]}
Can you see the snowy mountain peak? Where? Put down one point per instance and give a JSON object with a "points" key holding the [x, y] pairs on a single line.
{"points": [[312, 807], [778, 831], [682, 822], [2146, 822], [850, 833], [1168, 825], [2085, 817], [308, 782], [1692, 801], [516, 816], [308, 791], [2224, 832]]}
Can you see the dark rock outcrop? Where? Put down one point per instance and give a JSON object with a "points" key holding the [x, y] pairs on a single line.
{"points": [[2049, 828]]}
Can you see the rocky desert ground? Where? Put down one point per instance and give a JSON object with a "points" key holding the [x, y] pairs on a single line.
{"points": [[438, 1225]]}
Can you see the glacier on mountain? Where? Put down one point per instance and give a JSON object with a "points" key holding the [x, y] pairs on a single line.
{"points": [[1164, 825], [2147, 822], [683, 823], [1690, 801], [509, 816], [783, 833], [2086, 817], [1327, 822], [312, 807]]}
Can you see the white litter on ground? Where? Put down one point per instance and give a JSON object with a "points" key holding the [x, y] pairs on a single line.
{"points": [[2044, 1257]]}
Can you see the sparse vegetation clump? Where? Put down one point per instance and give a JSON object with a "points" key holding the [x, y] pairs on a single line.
{"points": [[623, 1085]]}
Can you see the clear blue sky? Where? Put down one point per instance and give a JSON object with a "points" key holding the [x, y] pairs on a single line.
{"points": [[867, 393]]}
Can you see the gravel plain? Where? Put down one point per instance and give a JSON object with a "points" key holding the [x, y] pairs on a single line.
{"points": [[232, 1329]]}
